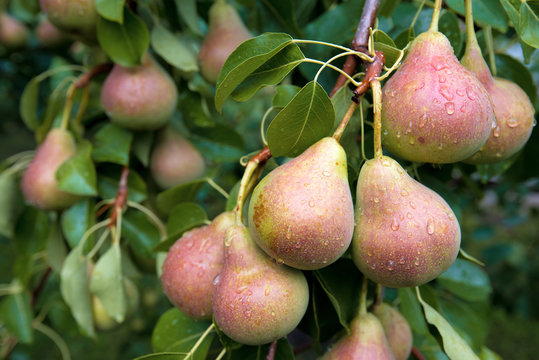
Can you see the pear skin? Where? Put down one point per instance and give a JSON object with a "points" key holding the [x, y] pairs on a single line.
{"points": [[141, 97], [302, 212], [226, 32], [191, 265], [366, 341], [434, 110], [512, 107], [255, 300], [74, 17], [48, 35], [13, 33], [175, 160], [397, 330], [39, 184], [406, 234]]}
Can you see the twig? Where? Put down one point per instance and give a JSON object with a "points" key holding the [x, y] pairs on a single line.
{"points": [[121, 196], [271, 351], [418, 355], [40, 285], [85, 78]]}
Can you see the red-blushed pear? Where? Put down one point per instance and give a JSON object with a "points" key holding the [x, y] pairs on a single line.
{"points": [[48, 35], [302, 212], [406, 234], [255, 300], [175, 160], [397, 330], [512, 107], [13, 33], [39, 184], [74, 17], [141, 97], [226, 32], [191, 265], [435, 110]]}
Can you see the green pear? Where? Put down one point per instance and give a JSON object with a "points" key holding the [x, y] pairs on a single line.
{"points": [[302, 212], [255, 300], [13, 33], [191, 265], [397, 330], [434, 110], [142, 97], [39, 184], [74, 17], [406, 234], [226, 32], [175, 160]]}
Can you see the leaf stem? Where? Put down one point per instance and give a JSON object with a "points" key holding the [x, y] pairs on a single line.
{"points": [[99, 243], [332, 59], [490, 49], [416, 16], [377, 110], [221, 354], [362, 129], [344, 121], [195, 347], [151, 215], [262, 126], [93, 229], [436, 15], [56, 339], [301, 41], [216, 186], [314, 61], [68, 106]]}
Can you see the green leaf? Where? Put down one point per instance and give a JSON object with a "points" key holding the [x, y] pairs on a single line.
{"points": [[106, 283], [75, 290], [76, 220], [486, 12], [218, 143], [162, 356], [16, 315], [341, 102], [305, 120], [111, 9], [283, 95], [283, 12], [529, 25], [177, 332], [466, 280], [173, 50], [107, 185], [454, 346], [140, 232], [247, 57], [271, 72], [56, 249], [383, 42], [411, 310], [195, 109], [343, 291], [31, 231], [187, 11], [168, 199], [10, 201], [142, 145], [28, 104], [183, 217], [112, 144], [77, 174], [449, 26], [487, 354], [124, 43]]}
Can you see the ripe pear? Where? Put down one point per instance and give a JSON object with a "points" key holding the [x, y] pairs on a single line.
{"points": [[175, 160], [366, 341], [406, 234], [512, 107], [191, 265], [48, 35], [302, 212], [434, 110], [141, 97], [13, 33], [39, 184], [226, 32], [74, 17], [255, 300], [397, 330]]}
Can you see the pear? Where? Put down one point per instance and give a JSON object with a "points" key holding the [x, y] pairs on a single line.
{"points": [[191, 265], [397, 330], [406, 234], [103, 321], [255, 300], [175, 160], [226, 32], [74, 17], [141, 97], [13, 33], [366, 341], [512, 107], [434, 110], [48, 35], [302, 212], [39, 184]]}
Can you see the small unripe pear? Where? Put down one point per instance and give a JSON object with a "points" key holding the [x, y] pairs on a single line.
{"points": [[74, 17], [48, 35], [13, 33], [366, 341], [192, 264], [141, 97], [39, 184], [226, 32], [397, 330], [103, 321], [255, 300], [302, 212], [406, 234], [175, 160]]}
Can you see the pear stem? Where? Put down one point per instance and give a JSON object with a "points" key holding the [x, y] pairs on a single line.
{"points": [[379, 296], [490, 49], [363, 297], [377, 110], [362, 130], [346, 118], [471, 39], [435, 16]]}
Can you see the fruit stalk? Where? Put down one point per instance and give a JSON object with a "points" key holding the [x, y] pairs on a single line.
{"points": [[470, 31], [435, 16], [377, 109]]}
